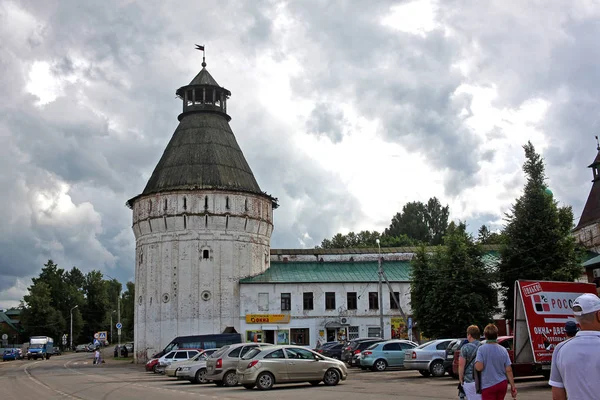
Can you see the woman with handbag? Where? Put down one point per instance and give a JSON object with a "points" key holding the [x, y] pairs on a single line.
{"points": [[494, 364], [466, 363]]}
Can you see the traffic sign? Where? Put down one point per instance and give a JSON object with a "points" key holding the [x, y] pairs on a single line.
{"points": [[4, 337], [102, 335], [96, 335], [410, 323], [119, 332], [119, 325]]}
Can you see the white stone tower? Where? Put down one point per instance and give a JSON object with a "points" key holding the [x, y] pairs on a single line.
{"points": [[201, 223]]}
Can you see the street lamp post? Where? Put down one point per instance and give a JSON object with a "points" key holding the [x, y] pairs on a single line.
{"points": [[380, 273], [71, 334]]}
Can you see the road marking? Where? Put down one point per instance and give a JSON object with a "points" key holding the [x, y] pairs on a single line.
{"points": [[42, 384]]}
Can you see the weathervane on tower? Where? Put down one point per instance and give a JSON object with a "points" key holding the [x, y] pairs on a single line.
{"points": [[199, 47], [597, 144]]}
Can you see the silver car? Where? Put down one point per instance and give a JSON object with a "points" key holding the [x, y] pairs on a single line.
{"points": [[265, 366], [221, 365], [174, 370], [428, 358]]}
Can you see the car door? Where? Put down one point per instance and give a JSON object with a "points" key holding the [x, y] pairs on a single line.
{"points": [[276, 363], [179, 356], [302, 365], [393, 354]]}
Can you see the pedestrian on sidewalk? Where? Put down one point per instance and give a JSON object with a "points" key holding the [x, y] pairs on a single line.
{"points": [[466, 363], [97, 357], [495, 366], [575, 369]]}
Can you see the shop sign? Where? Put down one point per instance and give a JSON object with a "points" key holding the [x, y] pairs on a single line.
{"points": [[267, 318]]}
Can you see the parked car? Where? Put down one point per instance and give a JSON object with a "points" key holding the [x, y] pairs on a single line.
{"points": [[175, 356], [12, 354], [428, 358], [504, 341], [326, 344], [333, 351], [56, 351], [352, 351], [152, 365], [221, 365], [193, 369], [379, 356], [449, 358], [81, 348], [265, 366]]}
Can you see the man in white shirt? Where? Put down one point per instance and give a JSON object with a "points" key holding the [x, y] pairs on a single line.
{"points": [[576, 362]]}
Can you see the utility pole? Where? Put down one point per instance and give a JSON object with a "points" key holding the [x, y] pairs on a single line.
{"points": [[380, 273], [71, 334], [118, 318]]}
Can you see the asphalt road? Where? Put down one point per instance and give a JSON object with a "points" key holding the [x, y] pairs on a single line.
{"points": [[73, 376]]}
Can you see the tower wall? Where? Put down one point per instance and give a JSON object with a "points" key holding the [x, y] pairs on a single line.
{"points": [[192, 248]]}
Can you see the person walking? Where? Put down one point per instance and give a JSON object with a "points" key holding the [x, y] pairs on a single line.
{"points": [[97, 357], [466, 363], [575, 370], [494, 364], [571, 329]]}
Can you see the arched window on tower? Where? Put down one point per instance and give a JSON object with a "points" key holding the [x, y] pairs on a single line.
{"points": [[205, 254], [227, 202], [205, 202]]}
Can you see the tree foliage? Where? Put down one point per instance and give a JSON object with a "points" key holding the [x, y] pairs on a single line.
{"points": [[538, 242], [486, 237], [422, 222], [46, 309], [451, 287]]}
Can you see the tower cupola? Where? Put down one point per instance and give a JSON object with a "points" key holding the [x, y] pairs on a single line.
{"points": [[203, 94]]}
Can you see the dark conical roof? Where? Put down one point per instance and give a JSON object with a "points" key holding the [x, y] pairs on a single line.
{"points": [[202, 154], [204, 78]]}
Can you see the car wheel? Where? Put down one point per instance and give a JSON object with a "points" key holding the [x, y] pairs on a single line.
{"points": [[380, 365], [265, 381], [424, 372], [315, 383], [155, 369], [248, 386], [218, 383], [437, 368], [200, 376], [332, 377], [230, 379]]}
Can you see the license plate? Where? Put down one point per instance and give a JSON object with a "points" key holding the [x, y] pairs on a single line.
{"points": [[546, 367], [450, 357]]}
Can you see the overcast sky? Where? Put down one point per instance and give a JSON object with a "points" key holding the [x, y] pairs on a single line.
{"points": [[345, 111]]}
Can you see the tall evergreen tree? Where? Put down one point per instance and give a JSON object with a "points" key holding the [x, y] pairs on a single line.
{"points": [[424, 223], [451, 287], [538, 240]]}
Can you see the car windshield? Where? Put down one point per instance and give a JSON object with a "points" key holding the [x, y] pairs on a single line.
{"points": [[252, 353], [36, 346], [426, 344]]}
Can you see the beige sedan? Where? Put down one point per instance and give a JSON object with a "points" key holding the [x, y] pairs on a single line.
{"points": [[265, 366]]}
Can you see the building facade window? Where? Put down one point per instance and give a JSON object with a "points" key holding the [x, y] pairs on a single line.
{"points": [[373, 332], [286, 301], [351, 302], [393, 305], [300, 336], [205, 254], [263, 302], [373, 301], [353, 332], [307, 301], [330, 300]]}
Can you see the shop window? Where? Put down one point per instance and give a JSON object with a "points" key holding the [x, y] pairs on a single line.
{"points": [[263, 302], [286, 301], [373, 301], [330, 300], [353, 332], [351, 301], [393, 305], [307, 300], [300, 336]]}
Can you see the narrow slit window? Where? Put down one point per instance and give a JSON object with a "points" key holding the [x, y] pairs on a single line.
{"points": [[227, 222], [246, 205], [205, 221], [227, 202], [184, 203], [205, 202], [165, 206], [205, 254], [185, 222]]}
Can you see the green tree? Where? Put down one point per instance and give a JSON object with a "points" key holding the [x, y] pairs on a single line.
{"points": [[360, 239], [451, 287], [97, 304], [39, 317], [127, 311], [486, 237], [538, 240], [423, 222]]}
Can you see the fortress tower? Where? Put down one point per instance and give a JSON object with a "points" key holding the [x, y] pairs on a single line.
{"points": [[201, 223]]}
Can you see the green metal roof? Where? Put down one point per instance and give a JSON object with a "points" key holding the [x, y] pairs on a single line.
{"points": [[592, 261], [321, 272], [9, 321]]}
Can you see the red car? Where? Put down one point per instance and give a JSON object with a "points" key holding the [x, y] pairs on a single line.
{"points": [[508, 343], [152, 364]]}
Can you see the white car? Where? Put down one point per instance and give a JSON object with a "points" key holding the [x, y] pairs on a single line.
{"points": [[174, 356], [428, 358], [175, 367]]}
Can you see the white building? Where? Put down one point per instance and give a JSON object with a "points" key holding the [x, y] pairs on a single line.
{"points": [[307, 299]]}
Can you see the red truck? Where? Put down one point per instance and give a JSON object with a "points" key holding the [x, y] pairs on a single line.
{"points": [[541, 310]]}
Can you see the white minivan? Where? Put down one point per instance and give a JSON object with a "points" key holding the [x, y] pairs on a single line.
{"points": [[174, 356]]}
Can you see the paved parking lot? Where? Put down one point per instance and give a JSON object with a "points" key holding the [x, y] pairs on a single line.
{"points": [[74, 377]]}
